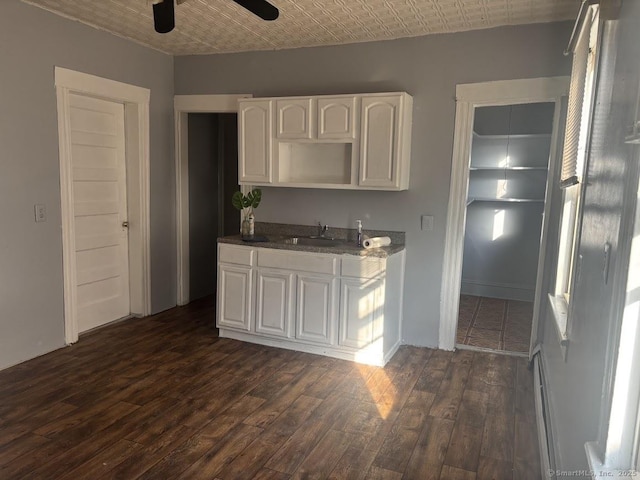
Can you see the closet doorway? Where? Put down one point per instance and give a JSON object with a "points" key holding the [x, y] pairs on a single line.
{"points": [[508, 169], [494, 191]]}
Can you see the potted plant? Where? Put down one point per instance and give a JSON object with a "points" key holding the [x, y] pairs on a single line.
{"points": [[245, 204]]}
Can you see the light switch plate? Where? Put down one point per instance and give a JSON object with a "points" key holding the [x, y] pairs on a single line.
{"points": [[40, 212], [426, 222]]}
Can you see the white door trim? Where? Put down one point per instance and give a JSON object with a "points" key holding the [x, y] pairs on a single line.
{"points": [[468, 97], [183, 105], [136, 111]]}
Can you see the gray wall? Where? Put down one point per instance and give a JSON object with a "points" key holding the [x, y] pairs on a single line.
{"points": [[33, 42], [576, 385], [429, 69]]}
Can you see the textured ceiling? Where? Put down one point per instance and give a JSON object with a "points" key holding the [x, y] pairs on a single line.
{"points": [[220, 26]]}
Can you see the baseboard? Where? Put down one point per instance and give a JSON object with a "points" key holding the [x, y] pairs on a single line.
{"points": [[506, 291], [545, 440]]}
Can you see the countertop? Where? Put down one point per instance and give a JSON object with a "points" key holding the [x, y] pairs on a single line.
{"points": [[347, 248]]}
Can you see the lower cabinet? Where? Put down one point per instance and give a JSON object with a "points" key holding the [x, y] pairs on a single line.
{"points": [[361, 311], [234, 297], [342, 306], [316, 308], [274, 295]]}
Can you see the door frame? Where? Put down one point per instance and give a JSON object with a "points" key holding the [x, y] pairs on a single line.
{"points": [[468, 97], [136, 115], [184, 105]]}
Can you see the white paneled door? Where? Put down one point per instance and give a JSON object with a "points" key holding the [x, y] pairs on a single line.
{"points": [[99, 211]]}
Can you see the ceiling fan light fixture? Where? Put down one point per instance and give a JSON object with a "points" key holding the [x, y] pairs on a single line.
{"points": [[261, 8], [164, 19]]}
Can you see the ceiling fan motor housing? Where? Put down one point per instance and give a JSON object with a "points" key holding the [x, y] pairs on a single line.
{"points": [[164, 19]]}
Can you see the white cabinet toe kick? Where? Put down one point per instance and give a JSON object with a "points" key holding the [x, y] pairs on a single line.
{"points": [[341, 306]]}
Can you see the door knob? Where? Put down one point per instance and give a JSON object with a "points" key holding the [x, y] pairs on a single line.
{"points": [[125, 224]]}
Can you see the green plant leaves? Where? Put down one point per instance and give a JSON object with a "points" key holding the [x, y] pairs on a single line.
{"points": [[237, 200], [252, 199]]}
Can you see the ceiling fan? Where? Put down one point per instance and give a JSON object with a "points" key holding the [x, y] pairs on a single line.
{"points": [[164, 17]]}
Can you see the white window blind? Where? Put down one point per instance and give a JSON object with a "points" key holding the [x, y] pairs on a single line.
{"points": [[572, 161]]}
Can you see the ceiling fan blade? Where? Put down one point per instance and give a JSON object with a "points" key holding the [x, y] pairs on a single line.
{"points": [[261, 8], [164, 19]]}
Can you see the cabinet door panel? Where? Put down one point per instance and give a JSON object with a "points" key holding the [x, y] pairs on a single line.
{"points": [[336, 117], [361, 312], [294, 118], [315, 309], [255, 132], [273, 303], [234, 297], [379, 149]]}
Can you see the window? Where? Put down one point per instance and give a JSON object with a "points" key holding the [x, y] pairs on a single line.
{"points": [[574, 157]]}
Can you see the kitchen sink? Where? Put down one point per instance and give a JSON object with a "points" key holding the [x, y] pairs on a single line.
{"points": [[315, 241]]}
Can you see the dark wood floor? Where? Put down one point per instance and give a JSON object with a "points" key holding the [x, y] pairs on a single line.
{"points": [[165, 398]]}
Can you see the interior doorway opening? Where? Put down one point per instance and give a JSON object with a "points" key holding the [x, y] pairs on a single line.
{"points": [[213, 178], [186, 105], [508, 171]]}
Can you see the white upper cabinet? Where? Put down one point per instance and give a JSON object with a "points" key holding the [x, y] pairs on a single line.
{"points": [[294, 118], [336, 117], [385, 141], [255, 137], [358, 142]]}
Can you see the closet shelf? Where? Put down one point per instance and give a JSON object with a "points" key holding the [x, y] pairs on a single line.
{"points": [[504, 200]]}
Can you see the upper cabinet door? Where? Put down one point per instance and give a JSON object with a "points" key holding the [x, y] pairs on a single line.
{"points": [[255, 134], [385, 132], [336, 117], [294, 118]]}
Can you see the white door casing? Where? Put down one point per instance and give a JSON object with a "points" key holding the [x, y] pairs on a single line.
{"points": [[99, 210], [468, 97], [136, 124]]}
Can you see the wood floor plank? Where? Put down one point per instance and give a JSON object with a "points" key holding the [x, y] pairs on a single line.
{"points": [[498, 437], [396, 449], [216, 458], [254, 457], [491, 469], [464, 447], [526, 447], [429, 453], [106, 460], [354, 464], [146, 457], [165, 397], [324, 456], [379, 473], [473, 408], [21, 446], [452, 473], [287, 458]]}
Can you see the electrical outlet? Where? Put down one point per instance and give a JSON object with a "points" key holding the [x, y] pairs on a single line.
{"points": [[40, 213], [426, 222]]}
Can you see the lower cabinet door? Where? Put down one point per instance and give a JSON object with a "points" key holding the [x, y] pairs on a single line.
{"points": [[234, 297], [316, 308], [361, 311], [274, 303]]}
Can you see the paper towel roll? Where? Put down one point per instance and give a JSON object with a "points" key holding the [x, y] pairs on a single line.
{"points": [[376, 242]]}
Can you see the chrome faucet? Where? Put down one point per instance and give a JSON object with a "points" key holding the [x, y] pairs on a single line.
{"points": [[324, 230]]}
